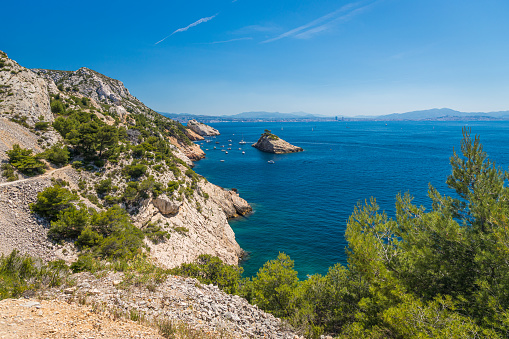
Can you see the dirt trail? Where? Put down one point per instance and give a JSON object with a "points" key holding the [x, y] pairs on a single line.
{"points": [[39, 177]]}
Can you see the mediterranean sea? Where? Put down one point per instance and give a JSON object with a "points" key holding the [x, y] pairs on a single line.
{"points": [[302, 201]]}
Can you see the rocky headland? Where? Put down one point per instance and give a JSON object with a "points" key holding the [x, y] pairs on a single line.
{"points": [[271, 143], [201, 129], [195, 214]]}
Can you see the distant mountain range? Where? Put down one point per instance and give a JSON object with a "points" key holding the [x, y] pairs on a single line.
{"points": [[436, 114], [441, 114]]}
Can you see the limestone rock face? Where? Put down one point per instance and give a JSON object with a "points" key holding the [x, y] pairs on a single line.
{"points": [[201, 129], [165, 205], [273, 144], [192, 135], [94, 85], [23, 93], [195, 231], [193, 151]]}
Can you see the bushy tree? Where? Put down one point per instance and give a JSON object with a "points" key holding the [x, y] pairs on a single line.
{"points": [[24, 161], [52, 201], [274, 285], [69, 223], [56, 154]]}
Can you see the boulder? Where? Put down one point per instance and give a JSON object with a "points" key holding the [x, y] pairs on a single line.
{"points": [[165, 205]]}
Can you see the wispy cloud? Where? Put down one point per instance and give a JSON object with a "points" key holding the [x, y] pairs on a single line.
{"points": [[226, 41], [183, 29], [325, 22]]}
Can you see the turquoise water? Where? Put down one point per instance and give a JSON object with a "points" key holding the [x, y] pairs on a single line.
{"points": [[302, 202]]}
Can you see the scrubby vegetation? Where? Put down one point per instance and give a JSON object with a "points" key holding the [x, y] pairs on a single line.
{"points": [[268, 133], [21, 274]]}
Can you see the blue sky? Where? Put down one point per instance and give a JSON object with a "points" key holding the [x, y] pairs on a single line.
{"points": [[325, 57]]}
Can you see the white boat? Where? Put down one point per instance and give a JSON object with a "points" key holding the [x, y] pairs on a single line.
{"points": [[242, 142], [270, 161], [229, 140], [214, 147], [240, 148], [222, 160], [243, 152], [226, 152]]}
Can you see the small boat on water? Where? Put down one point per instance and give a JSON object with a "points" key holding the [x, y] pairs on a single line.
{"points": [[217, 142], [240, 148], [242, 142], [226, 152], [214, 147], [243, 152], [270, 161], [229, 148], [208, 141], [222, 160], [229, 140], [206, 149]]}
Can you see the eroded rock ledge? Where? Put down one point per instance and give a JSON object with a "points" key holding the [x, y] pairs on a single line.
{"points": [[271, 143]]}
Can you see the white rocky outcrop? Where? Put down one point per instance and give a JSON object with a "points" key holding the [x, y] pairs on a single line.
{"points": [[166, 205], [201, 129], [23, 93]]}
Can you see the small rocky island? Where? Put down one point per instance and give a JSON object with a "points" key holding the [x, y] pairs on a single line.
{"points": [[201, 129], [271, 143]]}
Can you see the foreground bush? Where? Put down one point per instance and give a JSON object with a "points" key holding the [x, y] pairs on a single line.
{"points": [[20, 274]]}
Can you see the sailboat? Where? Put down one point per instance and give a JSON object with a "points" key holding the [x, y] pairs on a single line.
{"points": [[242, 142]]}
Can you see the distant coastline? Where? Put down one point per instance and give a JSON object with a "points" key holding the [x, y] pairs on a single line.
{"points": [[436, 114]]}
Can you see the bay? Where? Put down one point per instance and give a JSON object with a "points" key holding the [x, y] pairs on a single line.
{"points": [[302, 202]]}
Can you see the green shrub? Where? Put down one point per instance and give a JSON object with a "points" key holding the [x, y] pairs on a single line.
{"points": [[23, 160], [69, 223], [52, 201], [87, 262], [56, 154], [8, 172], [172, 186], [77, 164], [88, 238], [155, 233], [42, 125], [135, 171], [20, 273], [211, 270], [57, 107], [103, 187]]}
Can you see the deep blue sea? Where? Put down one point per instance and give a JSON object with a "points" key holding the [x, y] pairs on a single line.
{"points": [[302, 202]]}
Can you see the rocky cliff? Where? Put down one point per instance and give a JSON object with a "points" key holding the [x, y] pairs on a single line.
{"points": [[201, 129], [271, 143], [194, 212]]}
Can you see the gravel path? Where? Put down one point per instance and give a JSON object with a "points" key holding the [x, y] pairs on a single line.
{"points": [[39, 177]]}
